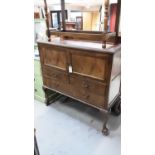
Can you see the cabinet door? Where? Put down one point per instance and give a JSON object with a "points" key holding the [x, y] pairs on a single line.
{"points": [[90, 65], [53, 56]]}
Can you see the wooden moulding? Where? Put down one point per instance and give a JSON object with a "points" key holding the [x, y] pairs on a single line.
{"points": [[86, 36]]}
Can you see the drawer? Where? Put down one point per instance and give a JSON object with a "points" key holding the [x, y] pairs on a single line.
{"points": [[58, 85], [87, 90], [96, 100], [88, 97], [55, 74], [73, 90], [88, 85]]}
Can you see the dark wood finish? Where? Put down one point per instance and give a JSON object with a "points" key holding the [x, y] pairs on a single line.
{"points": [[92, 71], [55, 59], [88, 90], [47, 21], [86, 36], [88, 65]]}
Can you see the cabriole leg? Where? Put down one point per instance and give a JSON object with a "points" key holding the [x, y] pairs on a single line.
{"points": [[105, 130]]}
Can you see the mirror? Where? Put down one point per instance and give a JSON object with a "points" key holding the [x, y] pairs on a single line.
{"points": [[82, 15]]}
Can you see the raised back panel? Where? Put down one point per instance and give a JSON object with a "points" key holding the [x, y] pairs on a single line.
{"points": [[88, 65], [55, 57], [85, 35]]}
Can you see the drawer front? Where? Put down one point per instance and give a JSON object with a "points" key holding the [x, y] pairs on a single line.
{"points": [[57, 85], [96, 100], [88, 97], [88, 91], [55, 74], [88, 85]]}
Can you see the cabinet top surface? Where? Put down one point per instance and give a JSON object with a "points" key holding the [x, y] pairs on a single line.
{"points": [[85, 45]]}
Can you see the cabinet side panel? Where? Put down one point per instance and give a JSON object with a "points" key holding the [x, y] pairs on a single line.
{"points": [[114, 88], [116, 65]]}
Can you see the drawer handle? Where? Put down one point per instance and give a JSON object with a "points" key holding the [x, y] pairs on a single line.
{"points": [[55, 75], [85, 85]]}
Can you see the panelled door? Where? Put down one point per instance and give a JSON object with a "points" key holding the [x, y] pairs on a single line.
{"points": [[88, 65], [54, 57]]}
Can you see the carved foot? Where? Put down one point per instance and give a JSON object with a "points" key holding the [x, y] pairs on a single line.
{"points": [[105, 131]]}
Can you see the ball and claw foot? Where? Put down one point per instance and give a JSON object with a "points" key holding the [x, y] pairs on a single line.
{"points": [[105, 131]]}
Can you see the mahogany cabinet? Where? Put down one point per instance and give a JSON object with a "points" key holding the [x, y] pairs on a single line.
{"points": [[82, 70]]}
